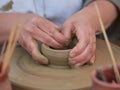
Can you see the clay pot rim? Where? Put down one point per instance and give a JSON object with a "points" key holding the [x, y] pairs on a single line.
{"points": [[50, 49], [102, 83]]}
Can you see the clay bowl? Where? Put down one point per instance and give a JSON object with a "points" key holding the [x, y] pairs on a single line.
{"points": [[104, 79], [57, 58]]}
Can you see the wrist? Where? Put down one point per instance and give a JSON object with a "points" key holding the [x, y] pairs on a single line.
{"points": [[108, 14]]}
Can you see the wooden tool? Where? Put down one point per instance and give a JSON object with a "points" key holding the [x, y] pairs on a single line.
{"points": [[14, 35], [117, 75]]}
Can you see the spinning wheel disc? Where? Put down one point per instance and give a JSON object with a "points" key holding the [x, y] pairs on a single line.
{"points": [[27, 74]]}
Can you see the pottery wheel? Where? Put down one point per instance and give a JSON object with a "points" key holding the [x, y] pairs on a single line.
{"points": [[29, 75]]}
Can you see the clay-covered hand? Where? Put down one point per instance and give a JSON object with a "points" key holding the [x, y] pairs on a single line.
{"points": [[39, 29], [84, 51], [4, 81]]}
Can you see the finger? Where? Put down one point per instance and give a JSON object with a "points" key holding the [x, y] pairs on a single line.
{"points": [[83, 40], [31, 46], [88, 52], [82, 58], [67, 30], [51, 29], [93, 39], [85, 56], [36, 54], [43, 37], [92, 60]]}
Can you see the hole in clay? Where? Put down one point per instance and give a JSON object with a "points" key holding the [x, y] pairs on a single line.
{"points": [[70, 45]]}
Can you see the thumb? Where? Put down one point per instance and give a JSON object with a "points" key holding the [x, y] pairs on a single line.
{"points": [[37, 55], [32, 48], [67, 31]]}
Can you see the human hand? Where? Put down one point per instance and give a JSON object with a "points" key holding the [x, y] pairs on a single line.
{"points": [[84, 51], [39, 29], [84, 24], [4, 81]]}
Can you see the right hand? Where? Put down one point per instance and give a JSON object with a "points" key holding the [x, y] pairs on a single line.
{"points": [[40, 29]]}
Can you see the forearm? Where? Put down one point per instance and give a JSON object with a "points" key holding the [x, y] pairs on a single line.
{"points": [[7, 21], [107, 10]]}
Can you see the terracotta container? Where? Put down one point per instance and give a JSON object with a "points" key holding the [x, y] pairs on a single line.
{"points": [[104, 79], [57, 58]]}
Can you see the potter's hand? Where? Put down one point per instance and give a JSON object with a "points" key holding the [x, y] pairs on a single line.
{"points": [[84, 50], [4, 82], [84, 24], [40, 29]]}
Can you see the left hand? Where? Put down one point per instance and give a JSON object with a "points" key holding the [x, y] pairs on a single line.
{"points": [[42, 30], [84, 51]]}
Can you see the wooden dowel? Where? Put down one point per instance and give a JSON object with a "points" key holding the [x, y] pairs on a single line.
{"points": [[14, 42], [116, 71], [11, 45], [8, 50]]}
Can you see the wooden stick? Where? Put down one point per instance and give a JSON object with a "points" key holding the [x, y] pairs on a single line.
{"points": [[7, 54], [11, 46], [14, 43], [116, 71]]}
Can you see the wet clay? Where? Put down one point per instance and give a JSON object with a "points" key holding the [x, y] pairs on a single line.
{"points": [[29, 75], [58, 58]]}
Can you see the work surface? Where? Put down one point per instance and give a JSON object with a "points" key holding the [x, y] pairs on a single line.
{"points": [[28, 75]]}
